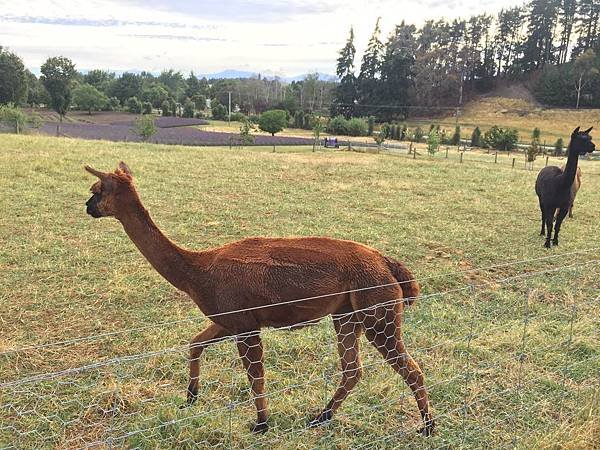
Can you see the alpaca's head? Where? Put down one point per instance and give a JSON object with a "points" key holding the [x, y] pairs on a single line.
{"points": [[112, 194], [581, 141]]}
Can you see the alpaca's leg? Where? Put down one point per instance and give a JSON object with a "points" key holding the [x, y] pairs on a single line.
{"points": [[348, 331], [543, 232], [251, 352], [571, 210], [386, 336], [549, 216], [561, 216], [197, 346]]}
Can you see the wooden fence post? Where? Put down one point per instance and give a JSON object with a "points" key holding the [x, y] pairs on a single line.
{"points": [[547, 157], [496, 158], [461, 157], [513, 164], [446, 152]]}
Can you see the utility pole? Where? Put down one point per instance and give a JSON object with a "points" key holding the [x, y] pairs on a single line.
{"points": [[229, 116]]}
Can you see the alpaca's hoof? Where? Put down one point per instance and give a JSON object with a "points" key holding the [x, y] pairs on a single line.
{"points": [[427, 430], [321, 419], [547, 244], [554, 241], [260, 427]]}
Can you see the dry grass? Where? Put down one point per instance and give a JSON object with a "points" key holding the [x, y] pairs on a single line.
{"points": [[67, 276], [520, 113]]}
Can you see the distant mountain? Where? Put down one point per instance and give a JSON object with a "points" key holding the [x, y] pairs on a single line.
{"points": [[232, 73], [229, 73], [224, 74], [322, 77]]}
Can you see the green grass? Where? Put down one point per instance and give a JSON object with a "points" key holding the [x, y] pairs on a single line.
{"points": [[66, 276]]}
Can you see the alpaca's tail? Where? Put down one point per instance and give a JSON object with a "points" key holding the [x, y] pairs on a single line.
{"points": [[410, 287]]}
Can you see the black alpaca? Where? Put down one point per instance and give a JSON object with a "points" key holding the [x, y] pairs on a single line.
{"points": [[553, 185]]}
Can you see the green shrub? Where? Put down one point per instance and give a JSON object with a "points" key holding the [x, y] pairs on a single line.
{"points": [[476, 138], [501, 139], [246, 129], [356, 127], [219, 112], [144, 127], [386, 130], [16, 119], [456, 136], [146, 108], [433, 141], [338, 125], [370, 125], [238, 117], [380, 138], [559, 146], [418, 134]]}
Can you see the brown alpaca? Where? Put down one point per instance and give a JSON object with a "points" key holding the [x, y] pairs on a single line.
{"points": [[239, 286], [574, 189]]}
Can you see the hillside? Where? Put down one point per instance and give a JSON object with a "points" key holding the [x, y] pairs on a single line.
{"points": [[515, 107]]}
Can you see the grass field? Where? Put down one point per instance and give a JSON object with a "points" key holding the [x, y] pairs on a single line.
{"points": [[495, 379]]}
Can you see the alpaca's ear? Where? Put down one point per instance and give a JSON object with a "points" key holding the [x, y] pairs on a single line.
{"points": [[575, 131], [588, 130], [125, 169], [95, 172]]}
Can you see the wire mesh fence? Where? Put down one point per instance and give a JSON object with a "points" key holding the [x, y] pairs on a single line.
{"points": [[504, 359], [517, 160]]}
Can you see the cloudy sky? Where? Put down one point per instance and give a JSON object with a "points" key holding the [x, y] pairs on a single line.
{"points": [[286, 37]]}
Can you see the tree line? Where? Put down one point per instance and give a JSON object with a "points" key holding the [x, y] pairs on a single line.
{"points": [[170, 91], [552, 45]]}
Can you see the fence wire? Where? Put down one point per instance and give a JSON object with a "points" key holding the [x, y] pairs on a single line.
{"points": [[495, 363]]}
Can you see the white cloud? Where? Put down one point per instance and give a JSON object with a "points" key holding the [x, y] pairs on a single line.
{"points": [[281, 36]]}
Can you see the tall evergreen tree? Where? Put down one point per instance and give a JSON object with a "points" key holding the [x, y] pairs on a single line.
{"points": [[538, 49], [345, 93], [396, 72], [567, 11], [508, 38], [587, 27], [370, 71]]}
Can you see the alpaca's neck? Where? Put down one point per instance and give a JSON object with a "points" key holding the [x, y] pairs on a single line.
{"points": [[571, 167], [166, 257]]}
